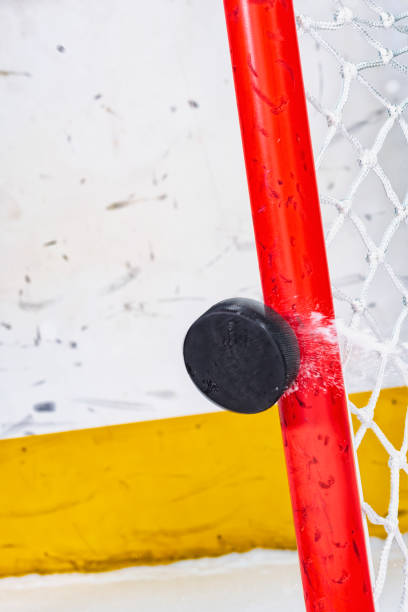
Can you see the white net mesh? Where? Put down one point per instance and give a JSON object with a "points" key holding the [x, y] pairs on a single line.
{"points": [[355, 63]]}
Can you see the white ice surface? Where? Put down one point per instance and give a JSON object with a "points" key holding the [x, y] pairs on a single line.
{"points": [[258, 581]]}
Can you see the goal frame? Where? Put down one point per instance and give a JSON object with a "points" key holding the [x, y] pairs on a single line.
{"points": [[317, 438]]}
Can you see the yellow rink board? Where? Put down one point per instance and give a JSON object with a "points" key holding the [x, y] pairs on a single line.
{"points": [[163, 490]]}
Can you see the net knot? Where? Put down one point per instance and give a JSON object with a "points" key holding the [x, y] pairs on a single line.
{"points": [[400, 458], [390, 525], [395, 110], [387, 19], [333, 119], [304, 22], [364, 417], [375, 257], [402, 214], [344, 15], [343, 207], [357, 306], [387, 348], [386, 55], [368, 158], [349, 70]]}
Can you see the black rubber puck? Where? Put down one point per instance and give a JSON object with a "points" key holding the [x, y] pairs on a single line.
{"points": [[242, 355]]}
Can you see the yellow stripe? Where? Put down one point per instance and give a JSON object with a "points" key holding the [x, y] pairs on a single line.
{"points": [[158, 491]]}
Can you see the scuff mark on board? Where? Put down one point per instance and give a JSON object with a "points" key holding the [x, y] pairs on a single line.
{"points": [[132, 200], [163, 393], [8, 73], [139, 309], [350, 279], [37, 337], [242, 245], [109, 110], [374, 117], [45, 407], [131, 274], [218, 257], [34, 306], [16, 427], [112, 404], [181, 299]]}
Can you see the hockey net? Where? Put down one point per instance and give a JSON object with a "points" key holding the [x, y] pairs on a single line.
{"points": [[355, 64]]}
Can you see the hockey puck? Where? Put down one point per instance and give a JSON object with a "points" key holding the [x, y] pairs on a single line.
{"points": [[242, 355]]}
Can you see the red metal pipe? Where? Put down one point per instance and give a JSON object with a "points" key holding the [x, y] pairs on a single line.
{"points": [[295, 280]]}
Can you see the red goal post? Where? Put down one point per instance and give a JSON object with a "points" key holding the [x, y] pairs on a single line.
{"points": [[295, 280]]}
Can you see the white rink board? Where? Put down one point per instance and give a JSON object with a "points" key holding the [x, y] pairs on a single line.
{"points": [[123, 204], [164, 136]]}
